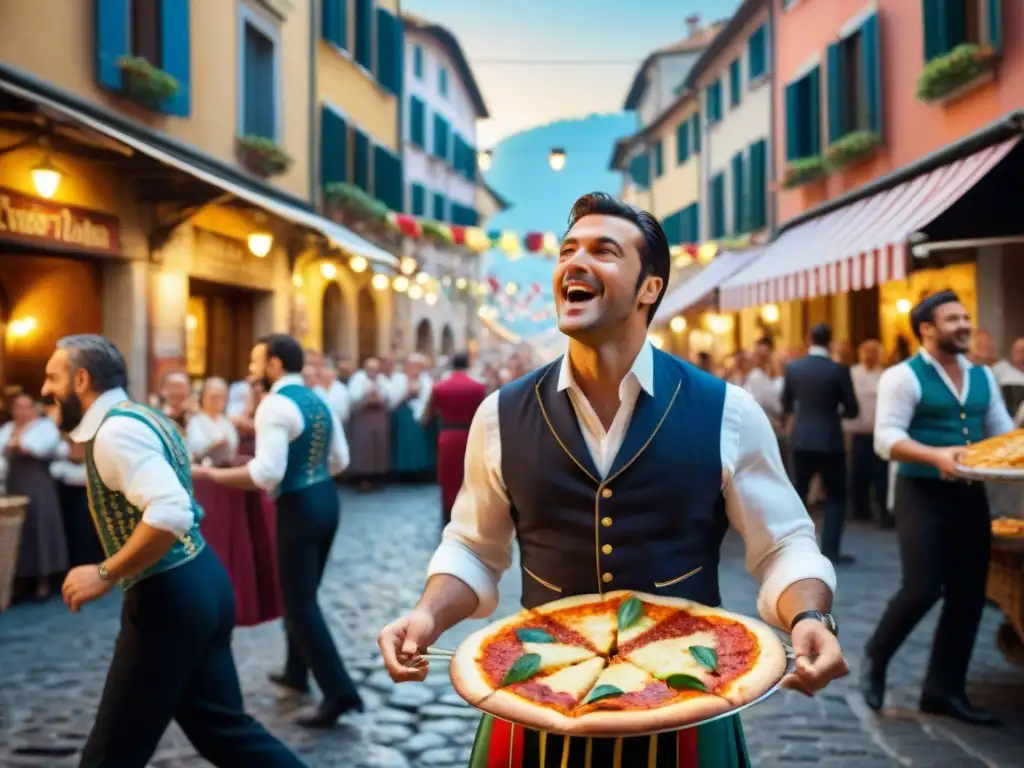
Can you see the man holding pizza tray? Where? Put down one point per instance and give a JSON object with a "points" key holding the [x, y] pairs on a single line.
{"points": [[619, 467]]}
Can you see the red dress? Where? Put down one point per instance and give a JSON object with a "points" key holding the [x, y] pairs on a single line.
{"points": [[455, 401]]}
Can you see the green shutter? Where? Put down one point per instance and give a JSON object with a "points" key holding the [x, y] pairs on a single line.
{"points": [[417, 122], [442, 133], [757, 195], [693, 223], [872, 72], [387, 178], [364, 33], [793, 121], [739, 196], [419, 200], [439, 205], [735, 83], [672, 226], [994, 17], [111, 41], [682, 142], [814, 111], [696, 133], [333, 146], [384, 68], [417, 62], [836, 88], [361, 160], [334, 23]]}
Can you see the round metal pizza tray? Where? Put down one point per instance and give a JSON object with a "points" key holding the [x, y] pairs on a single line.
{"points": [[990, 475]]}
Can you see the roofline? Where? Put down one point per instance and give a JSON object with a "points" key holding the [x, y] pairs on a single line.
{"points": [[450, 43], [502, 202], [636, 88], [1005, 127], [626, 142], [743, 15]]}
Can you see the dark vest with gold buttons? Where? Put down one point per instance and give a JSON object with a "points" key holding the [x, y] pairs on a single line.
{"points": [[658, 514]]}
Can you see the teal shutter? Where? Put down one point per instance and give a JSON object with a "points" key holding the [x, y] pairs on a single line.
{"points": [[872, 72], [640, 170], [419, 200], [814, 112], [718, 207], [735, 83], [364, 33], [682, 142], [111, 41], [361, 160], [334, 23], [387, 178], [659, 160], [176, 53], [836, 101], [739, 196], [793, 121], [933, 21], [693, 224], [390, 51], [439, 206], [417, 122], [417, 62], [441, 137], [333, 146], [954, 24], [696, 133], [757, 53], [757, 195], [994, 16]]}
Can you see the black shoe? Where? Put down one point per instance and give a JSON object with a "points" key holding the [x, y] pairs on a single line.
{"points": [[872, 684], [282, 680], [326, 715], [957, 707]]}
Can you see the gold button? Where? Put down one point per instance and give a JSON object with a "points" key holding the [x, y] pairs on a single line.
{"points": [[606, 549], [607, 493], [606, 577], [606, 521], [963, 415]]}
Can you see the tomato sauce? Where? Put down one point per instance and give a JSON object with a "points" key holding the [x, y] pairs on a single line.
{"points": [[501, 652], [652, 695], [541, 694]]}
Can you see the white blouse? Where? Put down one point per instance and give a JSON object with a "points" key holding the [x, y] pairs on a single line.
{"points": [[203, 431], [66, 471], [399, 389], [360, 385], [39, 439]]}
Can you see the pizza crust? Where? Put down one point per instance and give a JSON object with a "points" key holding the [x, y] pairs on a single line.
{"points": [[670, 717]]}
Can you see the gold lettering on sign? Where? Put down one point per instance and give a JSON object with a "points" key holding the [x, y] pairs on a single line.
{"points": [[25, 218]]}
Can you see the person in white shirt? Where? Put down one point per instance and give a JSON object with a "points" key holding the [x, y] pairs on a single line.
{"points": [[370, 396], [869, 474], [300, 447], [1009, 375], [624, 466], [336, 391], [210, 435], [409, 394]]}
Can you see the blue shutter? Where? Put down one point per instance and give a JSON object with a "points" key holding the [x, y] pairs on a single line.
{"points": [[334, 23], [441, 137], [417, 122], [696, 133], [757, 53], [417, 62], [361, 160], [757, 196], [333, 146], [994, 16], [176, 45], [390, 45], [735, 83], [871, 56], [836, 83], [111, 41], [640, 170], [364, 33], [439, 207], [792, 121], [682, 142], [387, 178], [739, 196], [718, 207], [419, 200]]}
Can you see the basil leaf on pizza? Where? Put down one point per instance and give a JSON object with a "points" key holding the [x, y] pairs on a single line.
{"points": [[534, 636], [629, 612], [705, 656], [602, 692], [525, 667], [681, 682]]}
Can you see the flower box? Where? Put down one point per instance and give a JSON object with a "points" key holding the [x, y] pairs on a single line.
{"points": [[349, 205], [145, 84], [851, 147], [436, 232], [802, 171], [946, 77], [262, 156]]}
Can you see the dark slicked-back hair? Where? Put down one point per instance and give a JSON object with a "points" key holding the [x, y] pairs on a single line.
{"points": [[287, 350], [821, 335], [99, 357], [460, 361], [654, 255], [924, 312]]}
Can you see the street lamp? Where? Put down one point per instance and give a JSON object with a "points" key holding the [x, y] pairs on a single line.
{"points": [[260, 244], [328, 270], [557, 159], [358, 264], [677, 324], [46, 178]]}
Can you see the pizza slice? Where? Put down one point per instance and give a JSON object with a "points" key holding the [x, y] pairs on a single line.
{"points": [[635, 615], [589, 616], [561, 690]]}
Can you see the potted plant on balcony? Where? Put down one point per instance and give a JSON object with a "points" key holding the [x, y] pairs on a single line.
{"points": [[262, 156], [802, 171], [851, 147], [947, 76], [145, 84], [355, 208], [436, 232]]}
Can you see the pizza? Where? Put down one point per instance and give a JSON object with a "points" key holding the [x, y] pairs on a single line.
{"points": [[1000, 452], [618, 664]]}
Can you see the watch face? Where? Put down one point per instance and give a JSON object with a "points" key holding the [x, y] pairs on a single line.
{"points": [[830, 622]]}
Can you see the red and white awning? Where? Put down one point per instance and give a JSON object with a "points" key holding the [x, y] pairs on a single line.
{"points": [[859, 245], [694, 290]]}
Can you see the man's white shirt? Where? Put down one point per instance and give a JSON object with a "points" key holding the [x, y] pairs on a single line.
{"points": [[760, 501]]}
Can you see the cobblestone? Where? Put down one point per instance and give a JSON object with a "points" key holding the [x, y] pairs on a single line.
{"points": [[52, 665]]}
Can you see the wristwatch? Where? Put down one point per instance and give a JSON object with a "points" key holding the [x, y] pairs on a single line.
{"points": [[825, 618], [104, 573]]}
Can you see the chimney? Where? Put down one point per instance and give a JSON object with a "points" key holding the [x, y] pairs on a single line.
{"points": [[693, 24]]}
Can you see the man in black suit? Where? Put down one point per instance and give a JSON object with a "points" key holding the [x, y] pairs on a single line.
{"points": [[820, 393]]}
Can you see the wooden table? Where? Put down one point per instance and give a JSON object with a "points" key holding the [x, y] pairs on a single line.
{"points": [[1006, 589]]}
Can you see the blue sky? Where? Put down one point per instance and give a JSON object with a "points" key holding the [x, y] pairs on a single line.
{"points": [[615, 32]]}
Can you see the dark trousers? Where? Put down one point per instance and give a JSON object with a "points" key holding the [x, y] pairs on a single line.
{"points": [[173, 660], [832, 468], [944, 535], [307, 522], [869, 476]]}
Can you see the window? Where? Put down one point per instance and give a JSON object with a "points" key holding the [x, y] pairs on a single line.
{"points": [[739, 195], [854, 83], [714, 102], [696, 133], [682, 142], [463, 158], [417, 61], [659, 160], [364, 33], [333, 146], [803, 118], [442, 81], [757, 53], [361, 161], [259, 89], [387, 177], [440, 206], [417, 122], [464, 215], [949, 23], [673, 227], [757, 178], [334, 23], [144, 17], [418, 195], [390, 52], [442, 134], [717, 220], [640, 170], [735, 84], [690, 224]]}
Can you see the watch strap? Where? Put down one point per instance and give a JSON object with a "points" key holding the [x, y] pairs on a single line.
{"points": [[103, 572], [825, 619]]}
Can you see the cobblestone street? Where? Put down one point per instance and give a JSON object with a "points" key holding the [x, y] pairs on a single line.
{"points": [[52, 665]]}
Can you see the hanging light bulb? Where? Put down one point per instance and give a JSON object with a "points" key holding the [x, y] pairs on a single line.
{"points": [[903, 306], [461, 283], [380, 282], [46, 178], [557, 159], [260, 244], [677, 324], [400, 283], [358, 264], [484, 160], [415, 292], [408, 265], [511, 289], [328, 270], [422, 278], [431, 298], [770, 313]]}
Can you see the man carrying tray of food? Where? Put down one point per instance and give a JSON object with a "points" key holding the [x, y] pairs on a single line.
{"points": [[619, 468]]}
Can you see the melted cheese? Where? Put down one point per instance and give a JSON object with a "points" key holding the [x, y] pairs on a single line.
{"points": [[672, 656], [598, 628], [625, 677], [636, 629], [555, 655], [576, 680]]}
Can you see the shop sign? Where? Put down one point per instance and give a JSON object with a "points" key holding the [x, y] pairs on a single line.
{"points": [[35, 221]]}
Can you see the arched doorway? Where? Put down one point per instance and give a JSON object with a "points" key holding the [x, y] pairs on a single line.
{"points": [[367, 314], [447, 341], [425, 338], [332, 320]]}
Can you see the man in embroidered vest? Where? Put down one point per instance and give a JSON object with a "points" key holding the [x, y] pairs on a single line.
{"points": [[300, 446], [173, 656], [667, 455], [930, 407]]}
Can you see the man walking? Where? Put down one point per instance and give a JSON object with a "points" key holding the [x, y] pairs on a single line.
{"points": [[173, 656], [820, 393], [299, 447]]}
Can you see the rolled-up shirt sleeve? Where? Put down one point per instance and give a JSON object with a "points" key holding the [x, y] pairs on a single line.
{"points": [[997, 418], [274, 428], [130, 459], [763, 506], [898, 395], [476, 546]]}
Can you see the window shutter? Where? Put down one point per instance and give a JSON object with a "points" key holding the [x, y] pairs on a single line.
{"points": [[757, 195], [792, 121], [640, 170], [757, 53], [718, 206], [334, 23], [682, 142], [994, 16], [111, 41], [814, 111], [735, 83], [387, 178], [383, 61], [835, 75], [361, 160], [364, 33], [417, 62], [419, 200], [672, 225], [871, 54], [439, 206], [696, 133], [333, 146], [417, 122], [694, 223], [659, 160], [739, 196], [177, 53], [954, 17], [441, 137]]}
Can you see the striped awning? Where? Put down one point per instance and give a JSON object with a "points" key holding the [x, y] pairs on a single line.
{"points": [[705, 282], [860, 245]]}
